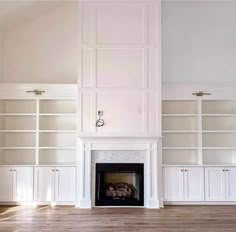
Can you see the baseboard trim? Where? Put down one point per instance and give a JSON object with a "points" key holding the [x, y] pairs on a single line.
{"points": [[153, 204], [199, 203], [84, 204]]}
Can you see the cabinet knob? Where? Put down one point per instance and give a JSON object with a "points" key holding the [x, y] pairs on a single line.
{"points": [[185, 170], [182, 170], [223, 170]]}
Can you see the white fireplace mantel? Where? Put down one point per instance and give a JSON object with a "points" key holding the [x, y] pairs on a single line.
{"points": [[112, 149]]}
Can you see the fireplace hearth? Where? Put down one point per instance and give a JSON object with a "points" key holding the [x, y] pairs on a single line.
{"points": [[119, 184]]}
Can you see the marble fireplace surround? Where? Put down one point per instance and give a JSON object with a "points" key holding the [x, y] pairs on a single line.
{"points": [[118, 150]]}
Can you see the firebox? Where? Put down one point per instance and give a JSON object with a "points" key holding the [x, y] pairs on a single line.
{"points": [[119, 184]]}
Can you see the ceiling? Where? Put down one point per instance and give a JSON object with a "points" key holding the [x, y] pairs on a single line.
{"points": [[14, 12]]}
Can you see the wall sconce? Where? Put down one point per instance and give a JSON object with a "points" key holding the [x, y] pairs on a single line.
{"points": [[201, 93]]}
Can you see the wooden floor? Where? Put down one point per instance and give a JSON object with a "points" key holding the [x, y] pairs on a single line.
{"points": [[171, 218]]}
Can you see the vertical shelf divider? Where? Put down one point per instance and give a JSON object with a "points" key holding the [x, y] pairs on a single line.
{"points": [[4, 127], [200, 150], [37, 132]]}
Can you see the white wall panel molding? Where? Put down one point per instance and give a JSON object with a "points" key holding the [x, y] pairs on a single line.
{"points": [[119, 68], [119, 54], [131, 13], [128, 115], [104, 100]]}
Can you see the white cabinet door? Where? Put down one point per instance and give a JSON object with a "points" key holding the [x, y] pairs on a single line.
{"points": [[44, 184], [6, 178], [173, 184], [215, 184], [65, 183], [230, 184], [193, 184], [23, 183]]}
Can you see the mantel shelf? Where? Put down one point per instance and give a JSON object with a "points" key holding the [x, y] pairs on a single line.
{"points": [[118, 139]]}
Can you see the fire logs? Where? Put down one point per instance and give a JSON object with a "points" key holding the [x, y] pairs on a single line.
{"points": [[120, 190]]}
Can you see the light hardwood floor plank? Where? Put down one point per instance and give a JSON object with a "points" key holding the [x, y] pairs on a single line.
{"points": [[169, 219]]}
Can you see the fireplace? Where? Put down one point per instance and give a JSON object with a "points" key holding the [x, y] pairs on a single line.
{"points": [[119, 184], [120, 153]]}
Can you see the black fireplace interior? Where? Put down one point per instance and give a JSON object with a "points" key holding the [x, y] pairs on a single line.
{"points": [[119, 184]]}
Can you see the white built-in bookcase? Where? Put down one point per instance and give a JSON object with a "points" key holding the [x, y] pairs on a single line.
{"points": [[38, 131], [199, 132]]}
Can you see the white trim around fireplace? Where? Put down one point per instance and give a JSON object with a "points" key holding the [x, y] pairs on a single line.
{"points": [[112, 149]]}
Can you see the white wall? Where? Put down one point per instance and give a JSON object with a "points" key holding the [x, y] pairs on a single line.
{"points": [[43, 50], [1, 56], [199, 42]]}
